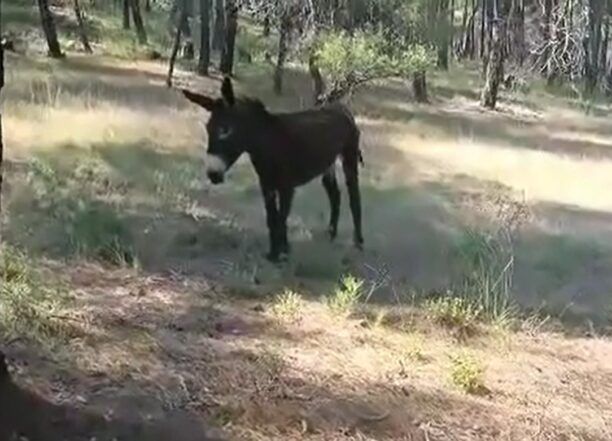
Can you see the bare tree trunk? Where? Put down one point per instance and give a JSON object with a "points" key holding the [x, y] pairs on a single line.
{"points": [[317, 79], [1, 142], [231, 27], [603, 61], [81, 27], [48, 25], [147, 5], [283, 42], [419, 87], [204, 59], [483, 26], [188, 49], [126, 14], [441, 22], [219, 27], [495, 65], [138, 23], [592, 44], [177, 43]]}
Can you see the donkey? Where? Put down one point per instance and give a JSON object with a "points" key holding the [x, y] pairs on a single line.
{"points": [[287, 150]]}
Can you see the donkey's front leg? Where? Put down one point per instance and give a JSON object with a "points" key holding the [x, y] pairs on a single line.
{"points": [[285, 200], [272, 216]]}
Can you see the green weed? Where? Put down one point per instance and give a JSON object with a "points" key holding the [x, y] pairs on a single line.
{"points": [[454, 312], [346, 296], [467, 373], [288, 306]]}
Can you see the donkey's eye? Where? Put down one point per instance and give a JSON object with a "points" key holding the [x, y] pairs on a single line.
{"points": [[225, 132]]}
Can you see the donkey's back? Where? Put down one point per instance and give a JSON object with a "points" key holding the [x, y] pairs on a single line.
{"points": [[316, 138]]}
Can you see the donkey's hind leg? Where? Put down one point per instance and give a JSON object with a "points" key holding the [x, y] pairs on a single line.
{"points": [[333, 193], [351, 156]]}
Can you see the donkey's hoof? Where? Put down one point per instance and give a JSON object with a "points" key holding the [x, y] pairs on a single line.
{"points": [[359, 244]]}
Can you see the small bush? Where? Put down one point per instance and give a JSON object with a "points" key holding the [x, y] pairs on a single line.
{"points": [[414, 349], [453, 312], [346, 296], [467, 373], [28, 307], [288, 306]]}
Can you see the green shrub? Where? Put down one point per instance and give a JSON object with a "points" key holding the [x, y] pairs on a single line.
{"points": [[453, 312], [467, 373], [346, 296], [288, 306]]}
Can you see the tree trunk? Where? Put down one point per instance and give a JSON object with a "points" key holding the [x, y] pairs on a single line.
{"points": [[1, 143], [147, 5], [283, 42], [138, 23], [483, 27], [204, 59], [603, 61], [81, 27], [188, 49], [177, 43], [219, 27], [495, 65], [547, 33], [317, 79], [48, 25], [126, 14], [419, 87], [592, 44], [441, 21], [231, 27], [521, 32]]}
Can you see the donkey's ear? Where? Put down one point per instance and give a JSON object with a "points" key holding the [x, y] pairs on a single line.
{"points": [[201, 100], [227, 91]]}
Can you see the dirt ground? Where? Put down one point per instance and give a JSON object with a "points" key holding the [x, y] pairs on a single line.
{"points": [[187, 339]]}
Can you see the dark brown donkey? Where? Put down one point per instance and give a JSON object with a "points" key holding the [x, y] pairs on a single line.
{"points": [[287, 151]]}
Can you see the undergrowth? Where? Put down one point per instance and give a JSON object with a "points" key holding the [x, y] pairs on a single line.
{"points": [[30, 306], [346, 296]]}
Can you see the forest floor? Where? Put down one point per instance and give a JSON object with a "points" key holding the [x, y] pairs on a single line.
{"points": [[139, 305]]}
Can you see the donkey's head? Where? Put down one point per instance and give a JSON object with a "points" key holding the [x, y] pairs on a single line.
{"points": [[227, 137]]}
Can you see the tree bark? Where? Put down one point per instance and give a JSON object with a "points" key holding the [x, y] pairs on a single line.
{"points": [[147, 5], [81, 27], [204, 59], [177, 43], [592, 44], [188, 49], [283, 43], [441, 22], [419, 87], [318, 85], [126, 14], [219, 27], [495, 65], [48, 25], [138, 23], [231, 27], [1, 142]]}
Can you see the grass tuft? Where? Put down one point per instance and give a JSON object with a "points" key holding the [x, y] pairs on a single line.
{"points": [[29, 308], [288, 306], [467, 373], [346, 296]]}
